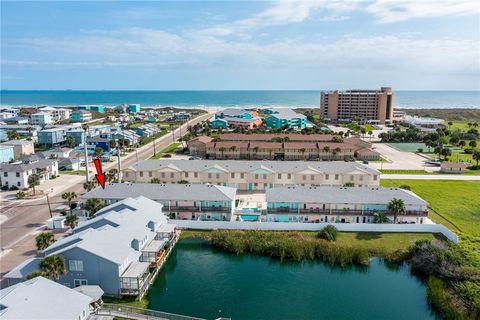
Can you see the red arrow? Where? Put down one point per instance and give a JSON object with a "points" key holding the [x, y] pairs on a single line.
{"points": [[100, 175]]}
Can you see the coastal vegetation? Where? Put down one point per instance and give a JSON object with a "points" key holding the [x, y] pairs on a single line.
{"points": [[44, 239]]}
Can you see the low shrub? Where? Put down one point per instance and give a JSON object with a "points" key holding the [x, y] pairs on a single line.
{"points": [[21, 195], [328, 233]]}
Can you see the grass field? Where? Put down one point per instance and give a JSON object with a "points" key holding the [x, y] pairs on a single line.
{"points": [[73, 172], [408, 147], [455, 204], [174, 147], [401, 171]]}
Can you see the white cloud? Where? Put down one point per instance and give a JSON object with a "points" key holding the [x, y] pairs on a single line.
{"points": [[387, 11]]}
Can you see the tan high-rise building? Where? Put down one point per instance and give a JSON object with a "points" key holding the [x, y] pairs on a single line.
{"points": [[375, 106]]}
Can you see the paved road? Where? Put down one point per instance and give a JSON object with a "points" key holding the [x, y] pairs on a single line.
{"points": [[399, 160], [431, 177], [20, 221]]}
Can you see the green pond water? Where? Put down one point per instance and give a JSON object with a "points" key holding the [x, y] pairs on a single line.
{"points": [[198, 280]]}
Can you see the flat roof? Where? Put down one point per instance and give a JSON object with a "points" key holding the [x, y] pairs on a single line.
{"points": [[154, 246], [164, 192], [354, 195]]}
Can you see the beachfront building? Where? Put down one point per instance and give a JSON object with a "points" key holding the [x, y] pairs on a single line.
{"points": [[340, 204], [15, 120], [16, 174], [57, 114], [284, 118], [6, 153], [40, 298], [133, 108], [281, 147], [147, 130], [80, 116], [97, 108], [120, 250], [41, 119], [20, 147], [180, 201], [236, 118], [253, 175], [374, 106]]}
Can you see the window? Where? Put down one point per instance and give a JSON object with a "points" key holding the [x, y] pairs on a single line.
{"points": [[327, 176], [141, 173], [18, 184], [75, 265], [336, 177], [289, 176], [186, 174], [5, 174], [209, 176], [232, 175], [241, 175], [304, 177], [375, 178], [150, 174], [256, 177], [312, 177], [126, 174], [17, 174], [264, 177], [195, 174], [171, 175], [217, 175], [79, 282], [279, 176], [163, 174]]}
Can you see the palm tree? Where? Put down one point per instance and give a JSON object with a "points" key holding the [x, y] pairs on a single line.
{"points": [[88, 186], [302, 151], [255, 150], [326, 149], [476, 156], [380, 217], [370, 133], [53, 267], [33, 181], [44, 240], [93, 205], [155, 180], [98, 152], [70, 141], [69, 196], [13, 135], [337, 150], [71, 220], [222, 150], [396, 206]]}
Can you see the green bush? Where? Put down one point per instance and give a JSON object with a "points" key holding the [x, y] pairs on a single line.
{"points": [[21, 195], [328, 233]]}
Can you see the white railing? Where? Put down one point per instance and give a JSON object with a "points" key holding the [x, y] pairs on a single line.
{"points": [[295, 226]]}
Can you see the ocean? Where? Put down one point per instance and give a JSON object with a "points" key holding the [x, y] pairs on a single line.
{"points": [[218, 99]]}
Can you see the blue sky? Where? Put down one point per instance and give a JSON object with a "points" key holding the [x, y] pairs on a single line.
{"points": [[324, 44]]}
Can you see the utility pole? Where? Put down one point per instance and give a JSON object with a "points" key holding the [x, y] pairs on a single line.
{"points": [[50, 209], [119, 162], [85, 128]]}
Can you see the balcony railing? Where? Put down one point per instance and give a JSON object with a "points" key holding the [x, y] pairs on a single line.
{"points": [[338, 211], [198, 209]]}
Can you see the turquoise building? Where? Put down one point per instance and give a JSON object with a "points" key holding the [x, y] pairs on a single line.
{"points": [[278, 118], [98, 108], [219, 124], [6, 153], [133, 108]]}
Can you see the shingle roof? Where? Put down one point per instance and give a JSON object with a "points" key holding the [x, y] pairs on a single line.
{"points": [[247, 166], [40, 298], [164, 192], [354, 195]]}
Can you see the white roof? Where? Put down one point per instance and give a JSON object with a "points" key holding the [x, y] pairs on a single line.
{"points": [[40, 298]]}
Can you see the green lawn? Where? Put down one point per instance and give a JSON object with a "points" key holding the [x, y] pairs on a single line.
{"points": [[73, 172], [455, 204], [408, 146], [172, 148], [400, 171]]}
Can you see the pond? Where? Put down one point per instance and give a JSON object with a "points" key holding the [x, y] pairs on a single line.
{"points": [[201, 281]]}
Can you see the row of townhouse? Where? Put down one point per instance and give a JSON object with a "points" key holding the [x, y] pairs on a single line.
{"points": [[340, 204], [180, 201], [253, 175], [23, 130], [281, 147], [16, 174], [120, 250]]}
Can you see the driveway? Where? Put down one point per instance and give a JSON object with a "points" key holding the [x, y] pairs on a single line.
{"points": [[399, 160]]}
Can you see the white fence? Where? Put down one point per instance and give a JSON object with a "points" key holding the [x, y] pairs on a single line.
{"points": [[292, 226]]}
